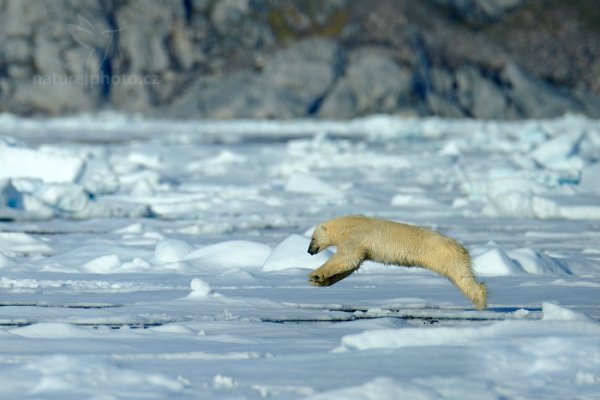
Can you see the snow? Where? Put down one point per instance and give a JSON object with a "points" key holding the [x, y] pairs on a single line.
{"points": [[22, 243], [293, 253], [469, 336], [103, 264], [171, 250], [168, 259], [492, 260], [51, 330], [231, 254]]}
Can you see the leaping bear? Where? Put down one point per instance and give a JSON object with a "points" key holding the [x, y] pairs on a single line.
{"points": [[360, 238]]}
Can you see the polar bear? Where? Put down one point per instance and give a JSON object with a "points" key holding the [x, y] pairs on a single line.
{"points": [[359, 238]]}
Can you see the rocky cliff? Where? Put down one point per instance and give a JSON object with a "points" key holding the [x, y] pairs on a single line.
{"points": [[306, 58]]}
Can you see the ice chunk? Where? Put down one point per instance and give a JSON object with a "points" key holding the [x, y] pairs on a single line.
{"points": [[556, 152], [22, 162], [231, 254], [293, 253], [12, 201], [171, 250], [22, 243], [199, 288], [305, 183], [9, 196], [66, 197], [512, 196], [224, 382]]}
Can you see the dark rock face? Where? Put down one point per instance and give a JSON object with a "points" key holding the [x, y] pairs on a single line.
{"points": [[292, 83], [372, 83], [307, 58]]}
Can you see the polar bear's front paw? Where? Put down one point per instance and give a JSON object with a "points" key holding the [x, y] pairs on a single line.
{"points": [[317, 278], [320, 278]]}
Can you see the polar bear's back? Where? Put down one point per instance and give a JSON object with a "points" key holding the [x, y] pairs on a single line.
{"points": [[397, 243]]}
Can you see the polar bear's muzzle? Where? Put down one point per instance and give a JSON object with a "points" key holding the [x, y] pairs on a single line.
{"points": [[313, 248]]}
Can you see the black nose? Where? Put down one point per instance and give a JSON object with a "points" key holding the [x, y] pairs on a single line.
{"points": [[312, 249]]}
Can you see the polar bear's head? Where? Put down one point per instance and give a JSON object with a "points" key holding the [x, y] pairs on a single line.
{"points": [[320, 240]]}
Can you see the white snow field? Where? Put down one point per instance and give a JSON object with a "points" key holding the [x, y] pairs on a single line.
{"points": [[148, 259]]}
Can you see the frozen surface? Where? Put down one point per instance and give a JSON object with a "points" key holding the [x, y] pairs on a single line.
{"points": [[168, 259]]}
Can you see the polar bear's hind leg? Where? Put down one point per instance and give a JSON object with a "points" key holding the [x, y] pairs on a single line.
{"points": [[450, 259]]}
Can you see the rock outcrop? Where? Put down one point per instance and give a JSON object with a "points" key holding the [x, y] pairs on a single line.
{"points": [[279, 59]]}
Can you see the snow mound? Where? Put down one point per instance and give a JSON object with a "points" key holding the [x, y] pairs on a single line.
{"points": [[103, 378], [537, 263], [305, 183], [51, 330], [231, 254], [468, 336], [554, 312], [103, 265], [22, 243], [173, 329], [199, 289], [171, 250], [491, 260], [379, 389], [46, 164], [292, 253]]}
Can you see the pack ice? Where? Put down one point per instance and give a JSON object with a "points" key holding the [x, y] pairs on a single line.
{"points": [[168, 259]]}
